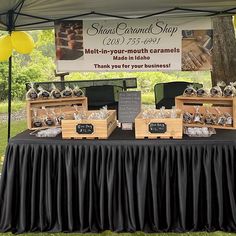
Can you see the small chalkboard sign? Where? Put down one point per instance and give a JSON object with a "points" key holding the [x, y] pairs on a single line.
{"points": [[84, 128], [157, 128], [129, 106]]}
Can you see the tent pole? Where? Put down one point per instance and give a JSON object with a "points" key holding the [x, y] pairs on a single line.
{"points": [[10, 28], [9, 97]]}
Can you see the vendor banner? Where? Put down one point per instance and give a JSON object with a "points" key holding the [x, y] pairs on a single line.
{"points": [[153, 44]]}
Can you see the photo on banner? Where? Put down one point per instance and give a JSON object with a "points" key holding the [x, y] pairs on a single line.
{"points": [[153, 44], [69, 40], [197, 46]]}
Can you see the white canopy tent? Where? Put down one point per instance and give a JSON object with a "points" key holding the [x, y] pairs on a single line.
{"points": [[40, 14]]}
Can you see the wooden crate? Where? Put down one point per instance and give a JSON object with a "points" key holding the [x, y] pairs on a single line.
{"points": [[89, 129], [158, 128], [186, 104], [61, 105]]}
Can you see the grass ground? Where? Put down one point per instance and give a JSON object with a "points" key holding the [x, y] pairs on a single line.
{"points": [[17, 127], [148, 98], [16, 106]]}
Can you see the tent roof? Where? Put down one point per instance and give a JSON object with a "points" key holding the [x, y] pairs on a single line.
{"points": [[46, 11]]}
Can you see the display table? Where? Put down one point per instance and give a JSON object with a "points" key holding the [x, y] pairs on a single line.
{"points": [[120, 184]]}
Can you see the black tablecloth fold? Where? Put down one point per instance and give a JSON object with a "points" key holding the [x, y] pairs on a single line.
{"points": [[119, 185]]}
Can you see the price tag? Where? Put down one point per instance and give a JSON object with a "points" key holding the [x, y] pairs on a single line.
{"points": [[84, 129], [156, 128]]}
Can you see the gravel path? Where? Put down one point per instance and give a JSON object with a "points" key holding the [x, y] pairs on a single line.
{"points": [[18, 115]]}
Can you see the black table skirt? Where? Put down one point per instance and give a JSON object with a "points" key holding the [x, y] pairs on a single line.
{"points": [[120, 184]]}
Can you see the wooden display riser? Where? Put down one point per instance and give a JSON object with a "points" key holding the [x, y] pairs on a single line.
{"points": [[101, 129], [159, 137], [225, 105], [59, 106], [173, 128], [209, 126]]}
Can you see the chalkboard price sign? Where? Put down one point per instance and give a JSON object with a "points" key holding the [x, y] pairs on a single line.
{"points": [[156, 128], [84, 129], [129, 106]]}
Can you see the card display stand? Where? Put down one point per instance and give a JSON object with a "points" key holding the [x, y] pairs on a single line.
{"points": [[225, 105], [89, 128], [58, 106]]}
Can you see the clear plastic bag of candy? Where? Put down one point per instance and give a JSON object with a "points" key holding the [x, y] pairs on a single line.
{"points": [[37, 121], [188, 117], [77, 92], [210, 119], [57, 117], [48, 118], [43, 94], [32, 93], [48, 121], [199, 131], [54, 116], [55, 92], [229, 119], [230, 90], [216, 91], [201, 92], [198, 118], [221, 118], [173, 112], [104, 112], [99, 115], [48, 133], [67, 92], [79, 114], [164, 113], [150, 113], [146, 114], [190, 91]]}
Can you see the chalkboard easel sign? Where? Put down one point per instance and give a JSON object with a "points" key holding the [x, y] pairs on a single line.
{"points": [[129, 106]]}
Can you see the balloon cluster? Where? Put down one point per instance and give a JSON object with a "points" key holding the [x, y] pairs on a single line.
{"points": [[20, 41]]}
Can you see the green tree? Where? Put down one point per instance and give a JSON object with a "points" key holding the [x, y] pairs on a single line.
{"points": [[29, 68]]}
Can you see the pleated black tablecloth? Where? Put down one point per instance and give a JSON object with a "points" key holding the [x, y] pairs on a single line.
{"points": [[120, 184]]}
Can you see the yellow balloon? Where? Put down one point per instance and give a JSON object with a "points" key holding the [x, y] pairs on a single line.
{"points": [[22, 42], [5, 47]]}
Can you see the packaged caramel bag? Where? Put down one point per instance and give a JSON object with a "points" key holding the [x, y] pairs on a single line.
{"points": [[77, 92], [216, 91], [230, 90], [44, 94], [190, 91], [67, 92], [55, 93], [32, 93]]}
